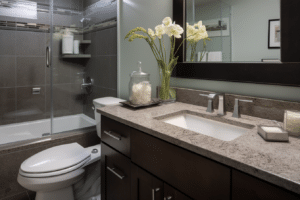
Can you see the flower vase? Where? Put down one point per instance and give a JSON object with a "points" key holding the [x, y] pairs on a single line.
{"points": [[166, 94]]}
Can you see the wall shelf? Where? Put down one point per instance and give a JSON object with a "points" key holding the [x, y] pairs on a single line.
{"points": [[85, 42], [77, 56]]}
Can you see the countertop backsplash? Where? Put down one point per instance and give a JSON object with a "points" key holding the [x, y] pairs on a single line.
{"points": [[263, 108]]}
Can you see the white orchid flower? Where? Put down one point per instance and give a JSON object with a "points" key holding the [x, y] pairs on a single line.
{"points": [[199, 24], [191, 31], [167, 21], [151, 33], [174, 30], [160, 30]]}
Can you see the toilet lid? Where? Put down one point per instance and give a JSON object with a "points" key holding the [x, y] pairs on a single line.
{"points": [[55, 158], [55, 173], [107, 101]]}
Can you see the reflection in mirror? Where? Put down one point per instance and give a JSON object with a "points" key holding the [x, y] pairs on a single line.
{"points": [[238, 30]]}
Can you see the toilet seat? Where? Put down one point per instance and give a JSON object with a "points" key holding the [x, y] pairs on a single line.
{"points": [[55, 173], [56, 160], [52, 172]]}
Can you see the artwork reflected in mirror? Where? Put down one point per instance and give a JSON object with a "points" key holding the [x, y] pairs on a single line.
{"points": [[237, 31], [274, 34]]}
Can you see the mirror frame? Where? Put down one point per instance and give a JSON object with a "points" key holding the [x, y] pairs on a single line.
{"points": [[285, 73]]}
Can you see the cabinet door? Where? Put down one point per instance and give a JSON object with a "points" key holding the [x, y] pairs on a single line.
{"points": [[194, 175], [249, 188], [145, 186], [115, 175], [171, 194]]}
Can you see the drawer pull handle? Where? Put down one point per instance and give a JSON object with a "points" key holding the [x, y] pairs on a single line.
{"points": [[113, 135], [168, 198], [153, 192], [116, 172]]}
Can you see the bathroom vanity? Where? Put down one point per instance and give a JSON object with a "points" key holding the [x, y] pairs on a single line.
{"points": [[143, 157]]}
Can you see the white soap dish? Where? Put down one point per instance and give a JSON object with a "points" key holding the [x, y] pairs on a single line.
{"points": [[273, 133]]}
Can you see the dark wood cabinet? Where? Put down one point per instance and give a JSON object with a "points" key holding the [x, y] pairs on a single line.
{"points": [[192, 174], [138, 166], [145, 186], [172, 194], [250, 188], [115, 175]]}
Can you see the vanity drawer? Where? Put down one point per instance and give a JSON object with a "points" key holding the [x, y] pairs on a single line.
{"points": [[190, 173], [116, 135]]}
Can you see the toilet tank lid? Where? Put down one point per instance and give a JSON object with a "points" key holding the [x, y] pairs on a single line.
{"points": [[55, 158], [106, 101]]}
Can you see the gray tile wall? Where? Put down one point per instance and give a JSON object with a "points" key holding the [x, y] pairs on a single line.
{"points": [[102, 67], [87, 3], [67, 78], [22, 67]]}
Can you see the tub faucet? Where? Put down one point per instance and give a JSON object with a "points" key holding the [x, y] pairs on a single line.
{"points": [[87, 83], [211, 97]]}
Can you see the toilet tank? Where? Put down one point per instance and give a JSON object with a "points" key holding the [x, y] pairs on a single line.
{"points": [[102, 102]]}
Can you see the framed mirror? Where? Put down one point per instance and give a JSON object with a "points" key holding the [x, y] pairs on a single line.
{"points": [[250, 41]]}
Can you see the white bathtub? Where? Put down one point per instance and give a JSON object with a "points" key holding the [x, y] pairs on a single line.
{"points": [[36, 129]]}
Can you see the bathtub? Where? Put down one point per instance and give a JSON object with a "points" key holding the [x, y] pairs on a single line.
{"points": [[37, 129]]}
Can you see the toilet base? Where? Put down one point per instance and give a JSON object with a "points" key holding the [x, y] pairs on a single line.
{"points": [[62, 194]]}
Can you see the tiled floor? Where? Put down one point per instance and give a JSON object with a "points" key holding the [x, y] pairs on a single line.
{"points": [[21, 196]]}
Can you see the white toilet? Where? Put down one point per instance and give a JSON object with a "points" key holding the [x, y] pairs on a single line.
{"points": [[52, 172]]}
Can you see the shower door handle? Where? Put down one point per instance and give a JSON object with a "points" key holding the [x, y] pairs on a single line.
{"points": [[48, 57]]}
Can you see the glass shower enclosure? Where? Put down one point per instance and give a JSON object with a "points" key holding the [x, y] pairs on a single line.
{"points": [[41, 86]]}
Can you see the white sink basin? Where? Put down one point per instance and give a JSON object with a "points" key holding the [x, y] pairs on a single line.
{"points": [[209, 127]]}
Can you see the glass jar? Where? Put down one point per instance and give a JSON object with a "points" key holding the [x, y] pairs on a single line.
{"points": [[139, 87]]}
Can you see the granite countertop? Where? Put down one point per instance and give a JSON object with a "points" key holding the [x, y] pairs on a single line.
{"points": [[274, 162]]}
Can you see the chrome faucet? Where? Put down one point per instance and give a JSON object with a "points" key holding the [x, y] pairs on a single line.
{"points": [[236, 111], [211, 97]]}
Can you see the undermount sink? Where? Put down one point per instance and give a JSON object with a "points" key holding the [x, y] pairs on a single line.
{"points": [[213, 126]]}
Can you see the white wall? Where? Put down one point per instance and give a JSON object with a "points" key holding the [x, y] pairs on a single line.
{"points": [[132, 14]]}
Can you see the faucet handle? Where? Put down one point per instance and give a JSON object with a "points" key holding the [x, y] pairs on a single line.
{"points": [[236, 111], [243, 100], [210, 107], [209, 96]]}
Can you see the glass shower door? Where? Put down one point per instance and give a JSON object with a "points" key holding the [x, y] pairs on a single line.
{"points": [[71, 89], [69, 86], [24, 79]]}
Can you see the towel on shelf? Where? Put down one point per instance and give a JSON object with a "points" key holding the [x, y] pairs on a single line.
{"points": [[214, 56]]}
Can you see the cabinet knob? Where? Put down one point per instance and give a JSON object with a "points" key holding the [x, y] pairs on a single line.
{"points": [[168, 198]]}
